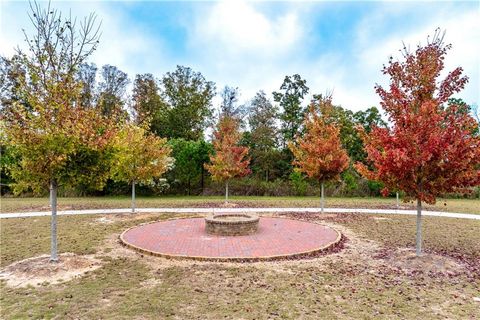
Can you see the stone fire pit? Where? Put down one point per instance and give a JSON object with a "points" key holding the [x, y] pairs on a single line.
{"points": [[231, 224]]}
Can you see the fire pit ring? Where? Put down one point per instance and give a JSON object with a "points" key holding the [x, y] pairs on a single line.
{"points": [[231, 224]]}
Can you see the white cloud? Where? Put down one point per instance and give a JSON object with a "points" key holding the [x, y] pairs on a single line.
{"points": [[236, 28], [462, 31], [237, 44], [240, 46]]}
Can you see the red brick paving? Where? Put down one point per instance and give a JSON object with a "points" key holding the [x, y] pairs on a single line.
{"points": [[187, 237]]}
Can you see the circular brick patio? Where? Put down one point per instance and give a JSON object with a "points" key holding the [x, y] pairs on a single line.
{"points": [[186, 238]]}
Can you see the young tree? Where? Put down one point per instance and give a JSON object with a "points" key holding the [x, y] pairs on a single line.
{"points": [[430, 148], [47, 127], [230, 159], [319, 152], [139, 157]]}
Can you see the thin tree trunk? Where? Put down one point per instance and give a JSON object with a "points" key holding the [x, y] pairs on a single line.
{"points": [[202, 178], [397, 201], [53, 205], [419, 228], [226, 191], [322, 199], [133, 196]]}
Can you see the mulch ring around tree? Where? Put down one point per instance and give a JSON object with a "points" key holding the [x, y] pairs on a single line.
{"points": [[39, 270]]}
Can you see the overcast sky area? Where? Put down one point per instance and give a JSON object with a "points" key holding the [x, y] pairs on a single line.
{"points": [[337, 47]]}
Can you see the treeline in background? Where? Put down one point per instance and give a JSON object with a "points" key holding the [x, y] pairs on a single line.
{"points": [[179, 106]]}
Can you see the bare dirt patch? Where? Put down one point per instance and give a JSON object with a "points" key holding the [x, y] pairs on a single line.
{"points": [[406, 261], [39, 270], [374, 257]]}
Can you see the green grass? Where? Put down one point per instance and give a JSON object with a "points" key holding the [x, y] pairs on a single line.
{"points": [[340, 286], [33, 204]]}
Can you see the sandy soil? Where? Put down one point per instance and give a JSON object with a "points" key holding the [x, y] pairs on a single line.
{"points": [[39, 270]]}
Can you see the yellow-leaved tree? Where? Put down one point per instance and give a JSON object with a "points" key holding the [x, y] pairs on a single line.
{"points": [[139, 157]]}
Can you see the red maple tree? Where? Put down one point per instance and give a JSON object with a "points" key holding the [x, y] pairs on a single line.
{"points": [[431, 147], [319, 153], [230, 159]]}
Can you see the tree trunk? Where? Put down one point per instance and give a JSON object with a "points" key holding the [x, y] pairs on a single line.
{"points": [[397, 201], [50, 200], [202, 179], [226, 191], [322, 199], [133, 196], [53, 205], [419, 228]]}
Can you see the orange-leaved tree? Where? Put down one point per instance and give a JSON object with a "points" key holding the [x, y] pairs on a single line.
{"points": [[230, 159], [139, 157], [431, 147], [319, 153]]}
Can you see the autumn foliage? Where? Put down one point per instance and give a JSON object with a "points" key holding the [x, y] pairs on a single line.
{"points": [[230, 159], [57, 140], [430, 148], [319, 153], [140, 156]]}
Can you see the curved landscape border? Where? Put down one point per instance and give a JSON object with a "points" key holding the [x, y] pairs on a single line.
{"points": [[325, 248]]}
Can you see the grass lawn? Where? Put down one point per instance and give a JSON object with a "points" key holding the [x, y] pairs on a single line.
{"points": [[39, 204], [370, 278]]}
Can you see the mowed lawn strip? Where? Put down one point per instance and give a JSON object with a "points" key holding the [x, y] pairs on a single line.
{"points": [[335, 287], [12, 204]]}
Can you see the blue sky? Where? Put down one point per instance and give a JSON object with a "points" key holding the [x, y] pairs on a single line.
{"points": [[336, 46]]}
